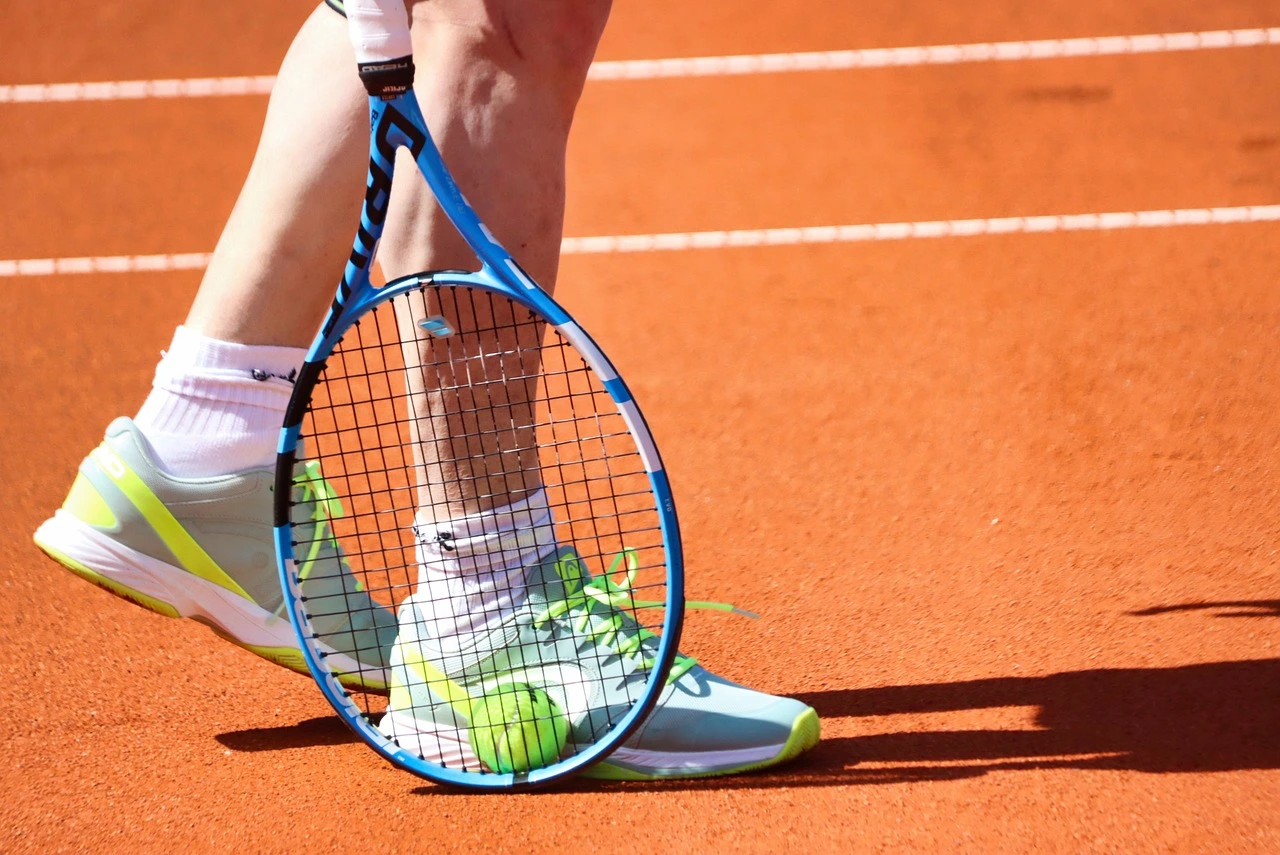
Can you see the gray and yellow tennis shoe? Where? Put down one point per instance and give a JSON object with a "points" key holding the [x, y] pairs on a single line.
{"points": [[703, 725], [202, 548]]}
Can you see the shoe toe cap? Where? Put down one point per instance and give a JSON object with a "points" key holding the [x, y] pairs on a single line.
{"points": [[704, 712]]}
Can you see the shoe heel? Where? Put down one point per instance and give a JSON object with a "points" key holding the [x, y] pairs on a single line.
{"points": [[46, 538], [87, 505]]}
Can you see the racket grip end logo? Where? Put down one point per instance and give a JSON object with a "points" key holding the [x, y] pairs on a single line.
{"points": [[387, 80]]}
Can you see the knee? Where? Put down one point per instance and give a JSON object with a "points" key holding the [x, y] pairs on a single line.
{"points": [[557, 38], [544, 41]]}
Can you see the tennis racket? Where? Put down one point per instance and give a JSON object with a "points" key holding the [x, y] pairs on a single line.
{"points": [[450, 387]]}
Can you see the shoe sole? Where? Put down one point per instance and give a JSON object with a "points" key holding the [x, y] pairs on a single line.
{"points": [[449, 746], [175, 593]]}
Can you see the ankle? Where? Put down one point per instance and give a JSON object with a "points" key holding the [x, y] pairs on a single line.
{"points": [[216, 407]]}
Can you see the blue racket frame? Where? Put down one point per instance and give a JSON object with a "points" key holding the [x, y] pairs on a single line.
{"points": [[398, 122]]}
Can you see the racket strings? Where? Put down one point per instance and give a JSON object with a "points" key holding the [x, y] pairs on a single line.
{"points": [[451, 396]]}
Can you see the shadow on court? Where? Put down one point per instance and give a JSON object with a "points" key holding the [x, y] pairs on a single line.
{"points": [[1224, 608], [310, 733], [1216, 717], [1213, 717]]}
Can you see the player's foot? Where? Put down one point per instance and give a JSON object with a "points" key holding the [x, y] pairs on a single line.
{"points": [[703, 725], [203, 548]]}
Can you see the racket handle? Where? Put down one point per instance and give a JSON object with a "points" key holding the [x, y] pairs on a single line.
{"points": [[380, 35]]}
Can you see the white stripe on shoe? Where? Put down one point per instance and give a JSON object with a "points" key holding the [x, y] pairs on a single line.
{"points": [[240, 620]]}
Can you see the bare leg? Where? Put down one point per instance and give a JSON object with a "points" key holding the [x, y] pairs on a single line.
{"points": [[281, 253], [498, 84], [498, 80]]}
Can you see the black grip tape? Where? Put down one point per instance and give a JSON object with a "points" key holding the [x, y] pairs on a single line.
{"points": [[387, 80]]}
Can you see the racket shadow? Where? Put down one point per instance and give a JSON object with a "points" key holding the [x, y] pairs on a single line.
{"points": [[832, 764], [1222, 608], [309, 733]]}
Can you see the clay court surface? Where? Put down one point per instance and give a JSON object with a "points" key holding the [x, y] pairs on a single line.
{"points": [[1009, 504]]}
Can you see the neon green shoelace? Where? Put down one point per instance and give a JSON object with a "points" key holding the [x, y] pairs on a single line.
{"points": [[325, 507], [597, 605]]}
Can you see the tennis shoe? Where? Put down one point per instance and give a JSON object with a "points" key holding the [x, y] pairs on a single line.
{"points": [[702, 725], [203, 548]]}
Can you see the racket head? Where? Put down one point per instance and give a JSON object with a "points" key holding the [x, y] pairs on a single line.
{"points": [[353, 415]]}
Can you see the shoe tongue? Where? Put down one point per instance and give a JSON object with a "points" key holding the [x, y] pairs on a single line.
{"points": [[556, 576]]}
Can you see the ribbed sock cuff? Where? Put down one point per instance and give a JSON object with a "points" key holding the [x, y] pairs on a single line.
{"points": [[216, 406]]}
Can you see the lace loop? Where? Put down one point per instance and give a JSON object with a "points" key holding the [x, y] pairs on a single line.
{"points": [[326, 507]]}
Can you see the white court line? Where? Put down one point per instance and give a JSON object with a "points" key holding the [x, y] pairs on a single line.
{"points": [[839, 60], [711, 66], [926, 229], [742, 237], [120, 90], [104, 264]]}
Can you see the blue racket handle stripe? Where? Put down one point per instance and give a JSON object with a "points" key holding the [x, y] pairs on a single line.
{"points": [[399, 123], [459, 211]]}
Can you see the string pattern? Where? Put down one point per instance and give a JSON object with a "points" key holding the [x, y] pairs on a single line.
{"points": [[447, 401]]}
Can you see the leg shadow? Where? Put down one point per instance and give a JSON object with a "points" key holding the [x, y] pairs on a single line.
{"points": [[1213, 717], [1216, 717]]}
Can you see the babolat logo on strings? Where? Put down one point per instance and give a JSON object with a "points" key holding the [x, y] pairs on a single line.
{"points": [[391, 130], [437, 326]]}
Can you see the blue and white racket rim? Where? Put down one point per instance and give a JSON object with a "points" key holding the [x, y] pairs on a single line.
{"points": [[660, 551]]}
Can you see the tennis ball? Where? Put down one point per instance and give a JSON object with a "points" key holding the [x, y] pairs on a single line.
{"points": [[517, 728]]}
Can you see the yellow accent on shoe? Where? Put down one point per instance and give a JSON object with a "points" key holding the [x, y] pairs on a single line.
{"points": [[327, 508], [436, 681], [87, 504], [193, 557], [399, 699]]}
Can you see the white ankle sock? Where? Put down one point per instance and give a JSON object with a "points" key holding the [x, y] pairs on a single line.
{"points": [[216, 406], [472, 570]]}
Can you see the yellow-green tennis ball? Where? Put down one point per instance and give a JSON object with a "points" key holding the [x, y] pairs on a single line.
{"points": [[517, 728]]}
